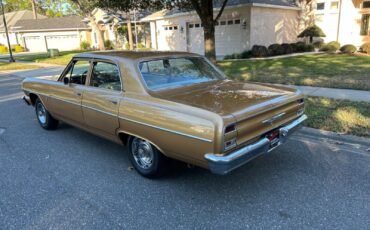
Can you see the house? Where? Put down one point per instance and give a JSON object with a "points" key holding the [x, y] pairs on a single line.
{"points": [[346, 21], [244, 23], [64, 33], [12, 18]]}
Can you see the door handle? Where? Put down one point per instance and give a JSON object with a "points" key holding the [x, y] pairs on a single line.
{"points": [[78, 94], [113, 102]]}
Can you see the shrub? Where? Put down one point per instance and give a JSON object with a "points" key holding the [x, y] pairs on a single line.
{"points": [[303, 47], [287, 48], [140, 46], [246, 54], [329, 48], [311, 32], [349, 49], [3, 49], [365, 48], [309, 48], [275, 49], [318, 44], [108, 44], [84, 45], [334, 44], [127, 46], [17, 48], [259, 51]]}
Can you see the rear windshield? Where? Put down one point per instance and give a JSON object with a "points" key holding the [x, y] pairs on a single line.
{"points": [[169, 73]]}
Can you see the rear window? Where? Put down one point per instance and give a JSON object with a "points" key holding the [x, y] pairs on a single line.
{"points": [[177, 72]]}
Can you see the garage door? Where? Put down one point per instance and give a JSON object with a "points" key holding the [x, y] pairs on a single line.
{"points": [[63, 42], [169, 35], [228, 35], [35, 43]]}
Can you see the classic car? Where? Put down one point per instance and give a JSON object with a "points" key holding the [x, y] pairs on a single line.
{"points": [[168, 105]]}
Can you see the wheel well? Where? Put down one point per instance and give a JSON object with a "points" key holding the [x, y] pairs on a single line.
{"points": [[124, 138], [33, 98]]}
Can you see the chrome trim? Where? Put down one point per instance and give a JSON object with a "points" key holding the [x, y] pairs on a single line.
{"points": [[168, 130], [101, 111], [223, 164], [274, 118]]}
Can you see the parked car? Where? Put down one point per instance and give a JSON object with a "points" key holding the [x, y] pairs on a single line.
{"points": [[165, 105]]}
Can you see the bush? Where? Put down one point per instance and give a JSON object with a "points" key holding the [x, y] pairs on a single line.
{"points": [[84, 45], [259, 51], [108, 44], [246, 54], [3, 49], [127, 46], [287, 48], [303, 47], [275, 49], [318, 44], [311, 32], [17, 48], [349, 49], [334, 44], [140, 46], [329, 48], [365, 48]]}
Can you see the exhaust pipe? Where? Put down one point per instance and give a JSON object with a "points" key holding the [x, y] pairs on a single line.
{"points": [[26, 100]]}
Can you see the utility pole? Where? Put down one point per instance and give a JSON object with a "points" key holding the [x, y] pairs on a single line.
{"points": [[11, 59], [34, 9]]}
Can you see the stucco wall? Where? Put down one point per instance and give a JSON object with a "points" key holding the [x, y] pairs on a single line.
{"points": [[270, 26]]}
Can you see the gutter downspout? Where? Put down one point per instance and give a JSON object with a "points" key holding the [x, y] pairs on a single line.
{"points": [[339, 19]]}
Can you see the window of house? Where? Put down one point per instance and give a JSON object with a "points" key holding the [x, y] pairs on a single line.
{"points": [[191, 25], [365, 22], [366, 4], [165, 28], [230, 22], [106, 75], [197, 25], [217, 23], [223, 23], [334, 5], [175, 28], [320, 6], [237, 21]]}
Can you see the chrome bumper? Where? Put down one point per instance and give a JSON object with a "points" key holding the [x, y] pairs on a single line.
{"points": [[224, 164]]}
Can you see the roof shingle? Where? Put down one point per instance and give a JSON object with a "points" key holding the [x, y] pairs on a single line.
{"points": [[69, 22]]}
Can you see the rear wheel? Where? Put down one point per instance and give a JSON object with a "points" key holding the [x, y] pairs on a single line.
{"points": [[146, 158], [43, 116]]}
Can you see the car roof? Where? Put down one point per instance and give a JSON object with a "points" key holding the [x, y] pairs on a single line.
{"points": [[133, 55]]}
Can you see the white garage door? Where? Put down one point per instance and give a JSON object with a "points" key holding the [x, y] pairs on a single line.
{"points": [[35, 43], [228, 35], [168, 38], [63, 42]]}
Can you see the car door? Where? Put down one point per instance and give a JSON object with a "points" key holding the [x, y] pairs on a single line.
{"points": [[101, 99], [65, 99]]}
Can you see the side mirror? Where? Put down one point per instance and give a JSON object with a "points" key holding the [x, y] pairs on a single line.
{"points": [[66, 80]]}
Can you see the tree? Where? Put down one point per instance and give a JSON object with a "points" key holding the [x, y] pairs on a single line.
{"points": [[86, 7], [50, 8], [204, 9], [311, 32]]}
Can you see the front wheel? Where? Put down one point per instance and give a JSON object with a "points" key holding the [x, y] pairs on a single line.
{"points": [[43, 116], [146, 159]]}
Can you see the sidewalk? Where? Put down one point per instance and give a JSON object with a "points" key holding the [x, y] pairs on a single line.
{"points": [[347, 94]]}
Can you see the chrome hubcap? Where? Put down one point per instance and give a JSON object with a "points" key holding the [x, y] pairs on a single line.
{"points": [[41, 113], [142, 152]]}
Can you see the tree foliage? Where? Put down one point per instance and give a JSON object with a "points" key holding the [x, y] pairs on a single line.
{"points": [[311, 32], [50, 8]]}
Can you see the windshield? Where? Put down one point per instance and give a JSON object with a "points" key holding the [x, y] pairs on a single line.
{"points": [[176, 72]]}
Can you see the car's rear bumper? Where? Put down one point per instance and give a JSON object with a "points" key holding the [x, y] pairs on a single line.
{"points": [[222, 165]]}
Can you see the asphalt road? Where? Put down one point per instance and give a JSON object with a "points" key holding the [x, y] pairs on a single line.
{"points": [[69, 179]]}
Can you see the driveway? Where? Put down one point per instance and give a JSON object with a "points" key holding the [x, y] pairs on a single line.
{"points": [[69, 179]]}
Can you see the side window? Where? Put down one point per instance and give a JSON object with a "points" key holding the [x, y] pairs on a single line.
{"points": [[105, 75], [78, 72]]}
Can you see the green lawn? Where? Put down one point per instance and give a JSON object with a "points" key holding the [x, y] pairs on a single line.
{"points": [[321, 70], [63, 59], [340, 116], [5, 66]]}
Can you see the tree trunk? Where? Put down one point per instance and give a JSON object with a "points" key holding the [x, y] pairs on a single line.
{"points": [[311, 40], [129, 31], [100, 35], [209, 41]]}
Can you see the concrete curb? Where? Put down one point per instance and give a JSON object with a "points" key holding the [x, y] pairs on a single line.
{"points": [[336, 136], [274, 57]]}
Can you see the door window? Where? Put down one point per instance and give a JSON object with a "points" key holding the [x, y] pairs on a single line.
{"points": [[106, 75], [78, 72]]}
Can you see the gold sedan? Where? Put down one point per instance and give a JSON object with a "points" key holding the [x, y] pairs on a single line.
{"points": [[165, 105]]}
